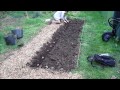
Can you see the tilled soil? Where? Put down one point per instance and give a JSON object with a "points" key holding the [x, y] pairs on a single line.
{"points": [[14, 67], [62, 51]]}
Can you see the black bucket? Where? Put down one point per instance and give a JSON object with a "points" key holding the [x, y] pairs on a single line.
{"points": [[18, 33], [10, 39]]}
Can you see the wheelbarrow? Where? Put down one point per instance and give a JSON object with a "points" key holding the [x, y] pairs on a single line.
{"points": [[114, 22]]}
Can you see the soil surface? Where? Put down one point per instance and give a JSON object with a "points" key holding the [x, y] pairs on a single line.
{"points": [[62, 51]]}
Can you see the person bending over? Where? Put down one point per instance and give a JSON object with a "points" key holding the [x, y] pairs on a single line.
{"points": [[60, 16]]}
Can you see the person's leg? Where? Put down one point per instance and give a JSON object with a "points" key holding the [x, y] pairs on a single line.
{"points": [[56, 21]]}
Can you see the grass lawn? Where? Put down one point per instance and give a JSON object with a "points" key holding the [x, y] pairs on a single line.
{"points": [[91, 43]]}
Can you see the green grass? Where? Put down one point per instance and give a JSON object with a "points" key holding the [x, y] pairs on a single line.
{"points": [[30, 27], [91, 43]]}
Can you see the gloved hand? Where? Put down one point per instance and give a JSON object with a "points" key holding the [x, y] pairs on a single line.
{"points": [[66, 21]]}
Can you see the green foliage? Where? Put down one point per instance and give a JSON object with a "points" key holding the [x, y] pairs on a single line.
{"points": [[17, 14], [32, 21], [1, 42], [3, 14]]}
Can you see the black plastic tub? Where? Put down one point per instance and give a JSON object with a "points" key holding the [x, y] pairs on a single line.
{"points": [[18, 33], [10, 39]]}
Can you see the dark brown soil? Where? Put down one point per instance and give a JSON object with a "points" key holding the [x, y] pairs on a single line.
{"points": [[61, 53]]}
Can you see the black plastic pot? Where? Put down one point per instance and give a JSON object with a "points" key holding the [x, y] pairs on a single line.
{"points": [[10, 39], [18, 33]]}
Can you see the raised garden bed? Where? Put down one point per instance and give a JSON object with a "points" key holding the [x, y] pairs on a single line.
{"points": [[62, 51]]}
